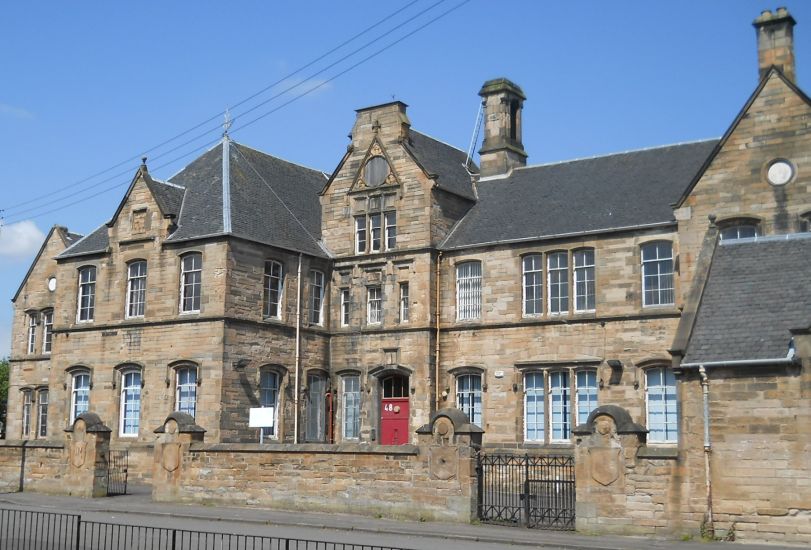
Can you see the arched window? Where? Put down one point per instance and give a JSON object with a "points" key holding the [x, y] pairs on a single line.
{"points": [[186, 390], [558, 282], [661, 404], [532, 265], [657, 274], [469, 396], [468, 291], [136, 289], [87, 294], [47, 330], [269, 397], [42, 413], [27, 397], [273, 290], [80, 394], [315, 428], [32, 332], [130, 402], [191, 282], [316, 297], [584, 290], [350, 397], [742, 230]]}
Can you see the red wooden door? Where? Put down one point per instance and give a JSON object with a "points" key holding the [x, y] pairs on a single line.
{"points": [[394, 421]]}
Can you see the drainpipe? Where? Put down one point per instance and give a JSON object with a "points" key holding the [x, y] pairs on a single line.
{"points": [[298, 351], [705, 390], [436, 345]]}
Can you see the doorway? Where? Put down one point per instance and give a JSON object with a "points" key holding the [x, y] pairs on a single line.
{"points": [[394, 410]]}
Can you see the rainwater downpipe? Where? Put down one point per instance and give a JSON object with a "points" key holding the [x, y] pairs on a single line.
{"points": [[436, 345], [705, 390], [298, 351]]}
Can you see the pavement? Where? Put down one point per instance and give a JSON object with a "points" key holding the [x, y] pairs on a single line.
{"points": [[137, 508]]}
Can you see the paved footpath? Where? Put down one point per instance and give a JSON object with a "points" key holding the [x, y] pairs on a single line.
{"points": [[138, 509]]}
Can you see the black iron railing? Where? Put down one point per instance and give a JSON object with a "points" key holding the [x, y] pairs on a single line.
{"points": [[535, 491], [117, 467], [31, 530]]}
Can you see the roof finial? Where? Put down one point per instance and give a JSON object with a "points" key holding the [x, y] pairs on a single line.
{"points": [[226, 125], [143, 162]]}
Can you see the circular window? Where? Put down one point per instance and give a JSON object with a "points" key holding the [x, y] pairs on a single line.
{"points": [[780, 172], [377, 170], [52, 284]]}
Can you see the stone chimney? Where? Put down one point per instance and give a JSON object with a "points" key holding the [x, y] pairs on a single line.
{"points": [[389, 122], [503, 148], [775, 42]]}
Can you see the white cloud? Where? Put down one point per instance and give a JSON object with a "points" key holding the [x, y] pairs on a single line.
{"points": [[14, 112], [20, 241]]}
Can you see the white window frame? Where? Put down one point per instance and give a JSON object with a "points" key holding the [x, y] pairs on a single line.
{"points": [[361, 234], [390, 229], [86, 289], [725, 234], [660, 269], [273, 284], [126, 388], [134, 293], [557, 282], [27, 409], [581, 276], [586, 397], [405, 306], [350, 399], [317, 282], [469, 398], [345, 305], [190, 273], [374, 305], [535, 391], [272, 391], [42, 412], [671, 415], [375, 231], [32, 333], [532, 278], [191, 387], [76, 390], [47, 331], [469, 290], [566, 404]]}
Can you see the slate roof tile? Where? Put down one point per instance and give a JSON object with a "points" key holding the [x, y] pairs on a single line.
{"points": [[447, 163]]}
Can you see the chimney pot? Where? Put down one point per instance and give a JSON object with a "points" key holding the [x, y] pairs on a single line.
{"points": [[503, 148]]}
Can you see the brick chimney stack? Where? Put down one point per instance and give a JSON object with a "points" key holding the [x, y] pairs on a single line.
{"points": [[775, 42], [502, 149]]}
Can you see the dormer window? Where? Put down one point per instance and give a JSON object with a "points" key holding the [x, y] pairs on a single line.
{"points": [[740, 228], [376, 171]]}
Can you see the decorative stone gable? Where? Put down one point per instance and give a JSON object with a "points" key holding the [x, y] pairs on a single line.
{"points": [[373, 175]]}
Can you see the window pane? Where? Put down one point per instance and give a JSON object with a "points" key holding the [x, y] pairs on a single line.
{"points": [[558, 282], [657, 274], [360, 234], [136, 289], [268, 397], [191, 282], [404, 304], [662, 406], [87, 293], [273, 290], [468, 290], [316, 296], [391, 230], [186, 391], [26, 413], [374, 227], [586, 394], [374, 305], [559, 405], [47, 331], [130, 402], [351, 410], [42, 405], [81, 395], [534, 406], [584, 280], [533, 290], [345, 307], [469, 397]]}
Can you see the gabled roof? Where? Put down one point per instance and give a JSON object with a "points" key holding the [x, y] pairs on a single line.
{"points": [[67, 238], [272, 201], [756, 292], [596, 194], [443, 161], [167, 196], [96, 242], [773, 71]]}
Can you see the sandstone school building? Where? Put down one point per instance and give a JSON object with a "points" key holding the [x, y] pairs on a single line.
{"points": [[644, 317]]}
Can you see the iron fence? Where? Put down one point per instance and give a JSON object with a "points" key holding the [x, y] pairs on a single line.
{"points": [[117, 468], [535, 491], [32, 530]]}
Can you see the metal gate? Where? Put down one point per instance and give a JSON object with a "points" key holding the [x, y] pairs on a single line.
{"points": [[117, 463], [534, 491]]}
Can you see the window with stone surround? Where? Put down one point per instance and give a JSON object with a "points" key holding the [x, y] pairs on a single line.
{"points": [[374, 305], [191, 282], [130, 407], [274, 283], [532, 266], [556, 398], [32, 332], [345, 304], [47, 330], [136, 289], [376, 229], [80, 394], [742, 230], [657, 274], [316, 297], [469, 396], [584, 289], [558, 282], [350, 397], [27, 398], [468, 291], [405, 312], [87, 294], [42, 413], [269, 397], [186, 390], [661, 405]]}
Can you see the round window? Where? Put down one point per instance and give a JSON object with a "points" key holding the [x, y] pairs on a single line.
{"points": [[52, 284], [377, 170], [780, 172]]}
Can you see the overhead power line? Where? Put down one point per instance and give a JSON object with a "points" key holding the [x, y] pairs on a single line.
{"points": [[19, 216]]}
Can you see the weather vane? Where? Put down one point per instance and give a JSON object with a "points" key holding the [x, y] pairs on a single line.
{"points": [[226, 125]]}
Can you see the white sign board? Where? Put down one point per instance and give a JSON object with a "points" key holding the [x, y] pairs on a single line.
{"points": [[261, 417]]}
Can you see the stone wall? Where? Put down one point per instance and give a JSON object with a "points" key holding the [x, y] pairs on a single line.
{"points": [[43, 468]]}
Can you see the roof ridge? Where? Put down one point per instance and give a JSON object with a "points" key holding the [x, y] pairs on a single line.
{"points": [[438, 140], [277, 158], [605, 155]]}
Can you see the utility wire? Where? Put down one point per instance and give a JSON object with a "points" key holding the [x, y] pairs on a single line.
{"points": [[220, 114], [258, 118]]}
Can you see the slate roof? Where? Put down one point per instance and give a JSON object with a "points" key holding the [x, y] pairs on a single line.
{"points": [[757, 289], [447, 163], [587, 195], [94, 242], [169, 197]]}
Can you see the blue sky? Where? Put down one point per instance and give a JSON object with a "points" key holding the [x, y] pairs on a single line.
{"points": [[90, 85]]}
